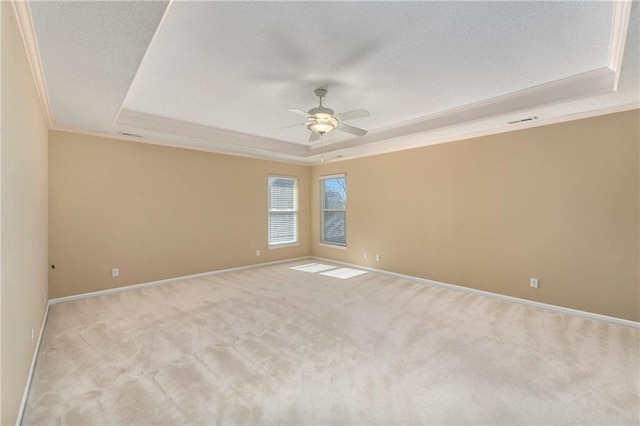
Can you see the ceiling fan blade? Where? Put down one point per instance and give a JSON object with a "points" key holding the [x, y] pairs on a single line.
{"points": [[353, 130], [314, 137], [299, 111], [350, 115]]}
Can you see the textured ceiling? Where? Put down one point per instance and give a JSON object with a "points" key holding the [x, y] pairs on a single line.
{"points": [[220, 76], [90, 52]]}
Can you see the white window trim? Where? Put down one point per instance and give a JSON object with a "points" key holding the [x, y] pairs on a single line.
{"points": [[283, 245], [339, 175], [322, 243], [334, 246], [296, 211]]}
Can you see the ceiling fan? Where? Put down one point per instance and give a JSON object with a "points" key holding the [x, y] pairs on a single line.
{"points": [[322, 120]]}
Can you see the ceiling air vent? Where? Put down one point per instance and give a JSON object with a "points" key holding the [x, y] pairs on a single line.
{"points": [[523, 120], [130, 134]]}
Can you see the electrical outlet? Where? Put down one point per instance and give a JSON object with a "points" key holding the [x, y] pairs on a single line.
{"points": [[377, 258], [44, 297], [534, 283], [115, 272], [33, 334], [257, 252], [365, 255]]}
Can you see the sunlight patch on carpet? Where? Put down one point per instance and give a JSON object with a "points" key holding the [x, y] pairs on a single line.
{"points": [[329, 271], [313, 267], [343, 273]]}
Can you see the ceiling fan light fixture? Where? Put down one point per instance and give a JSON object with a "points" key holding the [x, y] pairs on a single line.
{"points": [[323, 123], [322, 120]]}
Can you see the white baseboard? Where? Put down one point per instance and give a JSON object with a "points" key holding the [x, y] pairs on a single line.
{"points": [[570, 311], [27, 385], [166, 281], [591, 315]]}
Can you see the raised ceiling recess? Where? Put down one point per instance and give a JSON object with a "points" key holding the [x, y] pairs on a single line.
{"points": [[220, 76]]}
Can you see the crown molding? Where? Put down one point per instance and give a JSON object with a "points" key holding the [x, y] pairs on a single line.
{"points": [[155, 123], [414, 141], [419, 141], [406, 135], [25, 24], [158, 142], [619, 28], [583, 85]]}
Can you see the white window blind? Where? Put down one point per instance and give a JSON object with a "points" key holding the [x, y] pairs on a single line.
{"points": [[333, 191], [283, 210]]}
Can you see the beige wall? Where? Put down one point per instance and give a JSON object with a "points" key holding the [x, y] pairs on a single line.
{"points": [[23, 253], [156, 212], [559, 203]]}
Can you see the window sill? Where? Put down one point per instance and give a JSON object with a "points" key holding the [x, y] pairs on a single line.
{"points": [[335, 246], [283, 245]]}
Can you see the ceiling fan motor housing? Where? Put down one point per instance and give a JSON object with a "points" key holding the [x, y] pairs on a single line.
{"points": [[320, 110]]}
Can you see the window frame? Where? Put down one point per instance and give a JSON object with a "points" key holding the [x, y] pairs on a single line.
{"points": [[322, 241], [274, 212]]}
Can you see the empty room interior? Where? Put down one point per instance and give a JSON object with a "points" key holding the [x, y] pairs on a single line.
{"points": [[316, 213]]}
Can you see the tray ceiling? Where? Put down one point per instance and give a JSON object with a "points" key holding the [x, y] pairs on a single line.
{"points": [[220, 76]]}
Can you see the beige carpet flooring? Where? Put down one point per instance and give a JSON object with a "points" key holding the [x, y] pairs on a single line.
{"points": [[272, 346]]}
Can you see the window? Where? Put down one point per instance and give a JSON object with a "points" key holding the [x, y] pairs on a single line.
{"points": [[333, 190], [283, 210]]}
